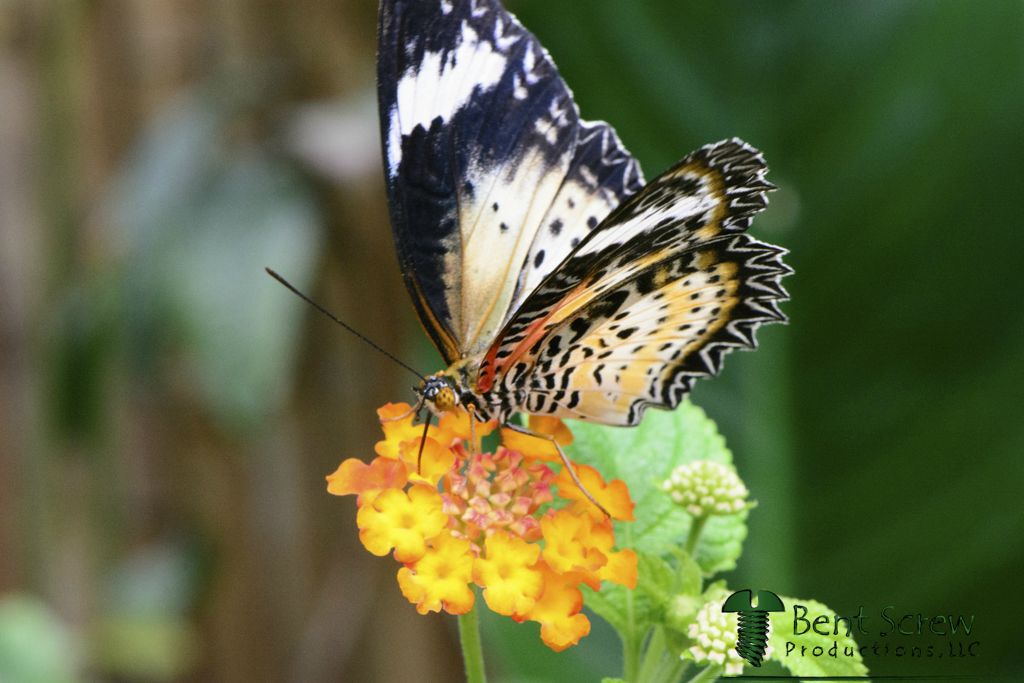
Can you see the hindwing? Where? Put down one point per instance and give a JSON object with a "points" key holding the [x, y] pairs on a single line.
{"points": [[649, 300]]}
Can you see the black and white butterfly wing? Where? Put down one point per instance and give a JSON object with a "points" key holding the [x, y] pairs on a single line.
{"points": [[492, 177]]}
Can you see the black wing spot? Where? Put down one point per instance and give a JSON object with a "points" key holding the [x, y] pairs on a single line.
{"points": [[538, 259], [556, 227], [504, 226], [579, 326], [494, 206], [694, 296], [592, 222], [575, 242], [626, 333], [645, 283]]}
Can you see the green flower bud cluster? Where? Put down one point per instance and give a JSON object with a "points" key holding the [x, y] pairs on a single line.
{"points": [[707, 488], [714, 639]]}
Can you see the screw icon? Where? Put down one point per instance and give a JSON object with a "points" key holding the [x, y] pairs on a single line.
{"points": [[752, 635]]}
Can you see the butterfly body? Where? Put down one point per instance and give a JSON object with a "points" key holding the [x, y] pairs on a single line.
{"points": [[551, 278]]}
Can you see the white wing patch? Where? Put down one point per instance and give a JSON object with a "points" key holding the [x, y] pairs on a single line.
{"points": [[440, 85]]}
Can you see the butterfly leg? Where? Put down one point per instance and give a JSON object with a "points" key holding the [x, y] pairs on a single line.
{"points": [[565, 462], [474, 446]]}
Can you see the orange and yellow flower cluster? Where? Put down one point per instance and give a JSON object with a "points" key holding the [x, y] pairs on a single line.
{"points": [[504, 521]]}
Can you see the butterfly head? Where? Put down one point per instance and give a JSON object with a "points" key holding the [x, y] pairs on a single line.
{"points": [[440, 393]]}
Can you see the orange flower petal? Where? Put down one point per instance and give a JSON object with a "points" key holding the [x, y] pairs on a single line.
{"points": [[621, 569], [546, 424], [403, 520], [440, 579], [396, 431], [505, 571], [356, 476], [389, 411], [614, 496], [572, 544], [558, 610]]}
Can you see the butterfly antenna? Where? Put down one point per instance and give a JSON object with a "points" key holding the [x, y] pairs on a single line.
{"points": [[330, 315]]}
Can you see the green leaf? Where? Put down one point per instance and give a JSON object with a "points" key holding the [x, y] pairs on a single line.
{"points": [[801, 660], [721, 542], [609, 603], [643, 457]]}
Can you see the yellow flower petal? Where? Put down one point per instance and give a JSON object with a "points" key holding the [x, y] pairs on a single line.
{"points": [[535, 447], [440, 579], [435, 461], [569, 545], [505, 571], [401, 520], [396, 431], [454, 426], [546, 424]]}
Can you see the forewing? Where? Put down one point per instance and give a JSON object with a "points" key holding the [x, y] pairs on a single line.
{"points": [[483, 148], [601, 176], [650, 300]]}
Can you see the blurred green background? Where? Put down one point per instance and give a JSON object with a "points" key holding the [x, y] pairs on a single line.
{"points": [[167, 412]]}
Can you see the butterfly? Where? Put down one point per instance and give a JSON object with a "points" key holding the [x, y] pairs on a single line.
{"points": [[551, 278]]}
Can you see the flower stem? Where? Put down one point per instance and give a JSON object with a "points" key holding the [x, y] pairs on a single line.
{"points": [[696, 527], [630, 639], [472, 650]]}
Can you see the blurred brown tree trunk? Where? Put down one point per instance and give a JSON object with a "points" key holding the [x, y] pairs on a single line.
{"points": [[292, 595]]}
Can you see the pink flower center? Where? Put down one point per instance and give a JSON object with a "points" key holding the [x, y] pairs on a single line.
{"points": [[489, 491]]}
